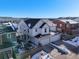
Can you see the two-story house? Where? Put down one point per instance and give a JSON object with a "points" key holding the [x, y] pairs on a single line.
{"points": [[52, 26], [37, 27], [32, 27], [66, 25]]}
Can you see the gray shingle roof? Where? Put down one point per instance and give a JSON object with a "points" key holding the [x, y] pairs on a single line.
{"points": [[31, 21], [42, 25]]}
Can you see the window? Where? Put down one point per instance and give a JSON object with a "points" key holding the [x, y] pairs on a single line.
{"points": [[45, 30], [24, 30], [60, 25], [28, 30], [35, 30], [8, 35], [28, 37]]}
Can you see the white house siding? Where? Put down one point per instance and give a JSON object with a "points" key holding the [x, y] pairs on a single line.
{"points": [[39, 23], [30, 32], [52, 28], [55, 37], [22, 28], [40, 30], [43, 40], [34, 32], [50, 38], [47, 22], [46, 39], [35, 40], [37, 27], [43, 29], [50, 24]]}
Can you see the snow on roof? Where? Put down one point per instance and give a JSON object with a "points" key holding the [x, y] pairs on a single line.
{"points": [[13, 25], [50, 23], [52, 33], [7, 24], [70, 21]]}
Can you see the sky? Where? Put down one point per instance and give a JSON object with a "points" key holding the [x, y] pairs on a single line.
{"points": [[39, 8]]}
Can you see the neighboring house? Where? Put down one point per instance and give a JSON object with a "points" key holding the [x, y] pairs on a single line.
{"points": [[22, 28], [22, 31], [77, 20], [13, 25], [52, 26], [66, 25], [7, 41]]}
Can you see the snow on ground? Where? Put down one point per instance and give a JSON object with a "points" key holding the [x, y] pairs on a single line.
{"points": [[42, 55], [74, 42]]}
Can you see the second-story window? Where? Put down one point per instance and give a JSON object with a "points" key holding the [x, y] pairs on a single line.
{"points": [[35, 30], [60, 25], [24, 30], [28, 30], [45, 30]]}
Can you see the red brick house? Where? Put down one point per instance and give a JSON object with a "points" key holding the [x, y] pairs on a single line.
{"points": [[66, 26]]}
